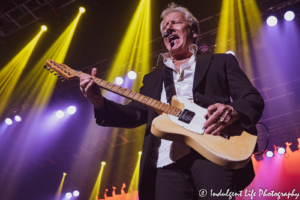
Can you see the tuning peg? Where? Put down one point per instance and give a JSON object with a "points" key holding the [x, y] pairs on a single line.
{"points": [[48, 68], [55, 74], [45, 66], [51, 71]]}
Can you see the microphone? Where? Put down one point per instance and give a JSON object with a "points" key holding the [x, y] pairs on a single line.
{"points": [[166, 34]]}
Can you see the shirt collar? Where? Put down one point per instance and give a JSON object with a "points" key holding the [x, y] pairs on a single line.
{"points": [[169, 62]]}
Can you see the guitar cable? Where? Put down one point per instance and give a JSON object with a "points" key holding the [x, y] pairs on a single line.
{"points": [[268, 135]]}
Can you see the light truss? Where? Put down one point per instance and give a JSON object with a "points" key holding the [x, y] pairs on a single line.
{"points": [[26, 13]]}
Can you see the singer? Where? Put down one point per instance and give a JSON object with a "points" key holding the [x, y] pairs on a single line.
{"points": [[171, 170]]}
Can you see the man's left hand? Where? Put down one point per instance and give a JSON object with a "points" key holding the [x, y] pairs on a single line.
{"points": [[218, 117]]}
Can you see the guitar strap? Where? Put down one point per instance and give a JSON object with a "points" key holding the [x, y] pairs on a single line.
{"points": [[169, 84]]}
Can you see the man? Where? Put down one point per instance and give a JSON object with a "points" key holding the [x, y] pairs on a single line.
{"points": [[171, 170]]}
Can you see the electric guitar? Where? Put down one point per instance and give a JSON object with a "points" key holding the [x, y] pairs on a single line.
{"points": [[182, 121]]}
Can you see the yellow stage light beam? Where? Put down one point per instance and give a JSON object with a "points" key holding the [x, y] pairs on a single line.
{"points": [[96, 188], [254, 17], [244, 46], [12, 71], [237, 18], [222, 35], [58, 193], [39, 84], [135, 48], [133, 54], [135, 178]]}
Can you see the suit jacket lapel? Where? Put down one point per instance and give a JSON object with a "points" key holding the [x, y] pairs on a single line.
{"points": [[202, 65]]}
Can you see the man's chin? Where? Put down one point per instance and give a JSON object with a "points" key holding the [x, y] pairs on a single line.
{"points": [[175, 50]]}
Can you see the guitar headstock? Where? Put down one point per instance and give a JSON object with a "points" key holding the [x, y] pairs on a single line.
{"points": [[61, 70]]}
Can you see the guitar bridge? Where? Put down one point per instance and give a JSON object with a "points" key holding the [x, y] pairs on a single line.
{"points": [[186, 116]]}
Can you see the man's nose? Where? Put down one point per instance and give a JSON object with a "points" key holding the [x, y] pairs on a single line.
{"points": [[169, 28]]}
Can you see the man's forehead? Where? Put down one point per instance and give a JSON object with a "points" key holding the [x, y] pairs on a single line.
{"points": [[174, 15]]}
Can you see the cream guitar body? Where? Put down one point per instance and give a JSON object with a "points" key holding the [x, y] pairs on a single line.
{"points": [[232, 151]]}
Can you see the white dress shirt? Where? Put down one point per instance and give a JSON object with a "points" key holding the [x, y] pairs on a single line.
{"points": [[169, 151]]}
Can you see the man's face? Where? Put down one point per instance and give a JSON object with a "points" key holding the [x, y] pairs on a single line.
{"points": [[180, 34]]}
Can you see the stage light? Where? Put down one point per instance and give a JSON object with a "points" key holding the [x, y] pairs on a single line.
{"points": [[71, 110], [272, 21], [131, 75], [97, 185], [281, 150], [81, 9], [64, 174], [39, 84], [8, 121], [76, 193], [230, 52], [11, 72], [18, 118], [69, 195], [119, 80], [44, 28], [140, 153], [135, 48], [289, 15], [269, 154], [60, 114]]}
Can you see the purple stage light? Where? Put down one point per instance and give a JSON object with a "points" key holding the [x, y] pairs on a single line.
{"points": [[18, 118], [269, 154], [76, 193], [281, 150], [289, 15], [71, 110], [230, 52], [131, 75], [60, 114], [119, 80], [69, 195], [8, 121], [272, 21]]}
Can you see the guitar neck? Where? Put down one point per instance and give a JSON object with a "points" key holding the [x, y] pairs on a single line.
{"points": [[147, 101]]}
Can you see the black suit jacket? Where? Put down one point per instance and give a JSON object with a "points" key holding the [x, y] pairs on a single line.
{"points": [[218, 79]]}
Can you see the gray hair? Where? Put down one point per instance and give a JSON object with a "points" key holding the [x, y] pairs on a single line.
{"points": [[173, 7]]}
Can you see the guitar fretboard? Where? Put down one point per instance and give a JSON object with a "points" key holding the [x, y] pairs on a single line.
{"points": [[147, 101]]}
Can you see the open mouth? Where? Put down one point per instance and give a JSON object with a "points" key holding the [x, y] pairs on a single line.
{"points": [[172, 39]]}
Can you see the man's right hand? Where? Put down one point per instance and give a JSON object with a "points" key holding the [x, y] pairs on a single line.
{"points": [[90, 90]]}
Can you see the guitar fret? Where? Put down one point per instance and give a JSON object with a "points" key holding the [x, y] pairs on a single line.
{"points": [[171, 110], [136, 96], [150, 99], [131, 94], [167, 108], [157, 104], [126, 92], [104, 83], [163, 106], [121, 90], [174, 111], [114, 88], [110, 86], [141, 98]]}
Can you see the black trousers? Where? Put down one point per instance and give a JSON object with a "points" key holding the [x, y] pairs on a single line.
{"points": [[193, 178]]}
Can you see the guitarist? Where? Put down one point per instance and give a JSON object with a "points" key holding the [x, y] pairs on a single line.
{"points": [[170, 170]]}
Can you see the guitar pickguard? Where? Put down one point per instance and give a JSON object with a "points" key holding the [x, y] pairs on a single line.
{"points": [[192, 116]]}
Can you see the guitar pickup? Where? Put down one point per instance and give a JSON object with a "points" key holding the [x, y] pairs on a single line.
{"points": [[186, 116]]}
